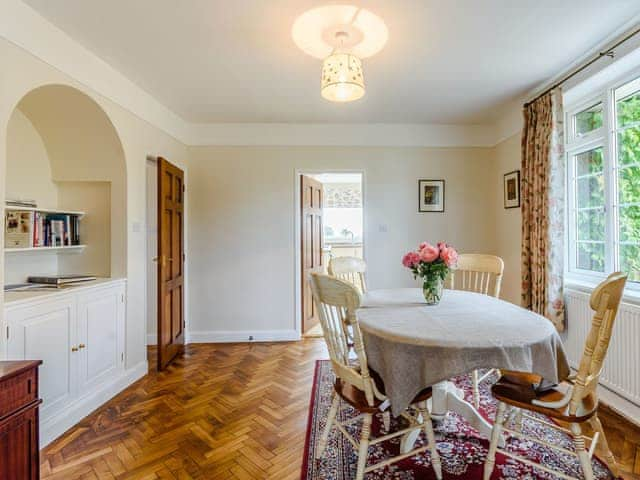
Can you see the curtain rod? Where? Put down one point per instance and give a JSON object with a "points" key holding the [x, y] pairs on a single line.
{"points": [[608, 52]]}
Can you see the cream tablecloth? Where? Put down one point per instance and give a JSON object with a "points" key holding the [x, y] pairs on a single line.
{"points": [[413, 345]]}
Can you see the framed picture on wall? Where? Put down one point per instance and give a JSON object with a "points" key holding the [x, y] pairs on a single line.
{"points": [[430, 196], [512, 189]]}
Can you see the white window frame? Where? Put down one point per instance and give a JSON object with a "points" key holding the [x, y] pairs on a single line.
{"points": [[605, 137]]}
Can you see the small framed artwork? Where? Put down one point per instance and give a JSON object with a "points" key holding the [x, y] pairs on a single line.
{"points": [[430, 196], [512, 189]]}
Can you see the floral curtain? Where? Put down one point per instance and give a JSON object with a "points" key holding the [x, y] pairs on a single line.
{"points": [[543, 174]]}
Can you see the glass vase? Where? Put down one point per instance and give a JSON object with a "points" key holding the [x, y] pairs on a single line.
{"points": [[432, 288]]}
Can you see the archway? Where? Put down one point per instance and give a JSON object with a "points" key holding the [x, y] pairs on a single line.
{"points": [[64, 153]]}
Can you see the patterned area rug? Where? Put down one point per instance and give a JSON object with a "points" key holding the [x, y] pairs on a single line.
{"points": [[462, 450]]}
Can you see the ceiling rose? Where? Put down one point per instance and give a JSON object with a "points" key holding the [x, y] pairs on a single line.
{"points": [[341, 35]]}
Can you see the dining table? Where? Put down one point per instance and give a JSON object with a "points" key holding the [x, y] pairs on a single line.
{"points": [[412, 346]]}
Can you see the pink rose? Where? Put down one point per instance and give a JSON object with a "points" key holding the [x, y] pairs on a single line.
{"points": [[429, 253], [422, 245], [442, 246], [410, 259], [449, 256]]}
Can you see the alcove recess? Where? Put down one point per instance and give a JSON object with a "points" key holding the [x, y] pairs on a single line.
{"points": [[64, 153]]}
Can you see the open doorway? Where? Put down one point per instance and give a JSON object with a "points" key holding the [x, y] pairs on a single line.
{"points": [[331, 225]]}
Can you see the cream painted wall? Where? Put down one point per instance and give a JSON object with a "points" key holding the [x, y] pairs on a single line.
{"points": [[508, 221], [27, 148], [95, 199], [242, 219], [139, 139]]}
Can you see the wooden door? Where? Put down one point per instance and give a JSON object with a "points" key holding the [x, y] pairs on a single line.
{"points": [[311, 244], [170, 262]]}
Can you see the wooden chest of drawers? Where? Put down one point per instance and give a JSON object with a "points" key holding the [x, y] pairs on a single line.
{"points": [[19, 450]]}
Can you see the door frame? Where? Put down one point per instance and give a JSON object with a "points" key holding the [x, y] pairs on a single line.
{"points": [[297, 264]]}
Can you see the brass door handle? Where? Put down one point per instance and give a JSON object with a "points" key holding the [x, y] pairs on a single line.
{"points": [[74, 349], [82, 345]]}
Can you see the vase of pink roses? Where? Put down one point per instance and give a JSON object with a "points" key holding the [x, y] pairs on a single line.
{"points": [[432, 264]]}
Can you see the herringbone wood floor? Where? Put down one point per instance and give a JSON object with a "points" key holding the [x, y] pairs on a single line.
{"points": [[224, 411]]}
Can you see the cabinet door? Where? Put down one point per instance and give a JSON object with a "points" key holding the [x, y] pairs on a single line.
{"points": [[47, 332], [19, 446], [99, 336]]}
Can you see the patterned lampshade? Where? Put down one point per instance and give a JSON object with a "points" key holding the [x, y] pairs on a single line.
{"points": [[342, 78]]}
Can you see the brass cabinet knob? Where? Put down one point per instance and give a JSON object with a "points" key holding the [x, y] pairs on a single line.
{"points": [[74, 349], [82, 345]]}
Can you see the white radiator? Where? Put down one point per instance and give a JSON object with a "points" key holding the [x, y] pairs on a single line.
{"points": [[621, 372]]}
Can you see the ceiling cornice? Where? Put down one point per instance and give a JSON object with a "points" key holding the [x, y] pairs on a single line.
{"points": [[347, 134], [27, 29]]}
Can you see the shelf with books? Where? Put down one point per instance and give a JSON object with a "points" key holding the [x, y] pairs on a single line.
{"points": [[45, 210], [46, 249], [36, 228]]}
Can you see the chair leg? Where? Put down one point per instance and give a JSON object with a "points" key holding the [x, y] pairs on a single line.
{"points": [[518, 420], [476, 389], [495, 438], [431, 438], [583, 455], [386, 420], [364, 445], [331, 418], [608, 455]]}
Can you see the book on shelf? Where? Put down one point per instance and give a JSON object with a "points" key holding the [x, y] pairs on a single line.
{"points": [[60, 279], [55, 230]]}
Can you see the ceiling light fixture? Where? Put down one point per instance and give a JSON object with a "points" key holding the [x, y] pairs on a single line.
{"points": [[341, 35]]}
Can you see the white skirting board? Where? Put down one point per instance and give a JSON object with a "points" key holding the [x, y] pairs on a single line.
{"points": [[222, 336], [53, 427], [231, 336]]}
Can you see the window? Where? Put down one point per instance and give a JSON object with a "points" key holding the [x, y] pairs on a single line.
{"points": [[603, 166], [342, 212]]}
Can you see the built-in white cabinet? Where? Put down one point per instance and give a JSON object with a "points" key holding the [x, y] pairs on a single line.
{"points": [[79, 336], [47, 331], [100, 320]]}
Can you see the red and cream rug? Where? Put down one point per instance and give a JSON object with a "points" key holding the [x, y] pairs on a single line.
{"points": [[462, 450]]}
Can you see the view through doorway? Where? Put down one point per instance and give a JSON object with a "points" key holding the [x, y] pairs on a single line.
{"points": [[332, 225]]}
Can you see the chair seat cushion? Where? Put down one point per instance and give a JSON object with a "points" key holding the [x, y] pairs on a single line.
{"points": [[519, 390], [356, 398]]}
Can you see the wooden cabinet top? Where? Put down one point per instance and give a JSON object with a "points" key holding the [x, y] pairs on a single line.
{"points": [[11, 368]]}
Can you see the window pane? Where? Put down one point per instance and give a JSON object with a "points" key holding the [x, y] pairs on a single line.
{"points": [[629, 224], [628, 110], [629, 146], [589, 162], [588, 120], [629, 184], [591, 224], [590, 191], [591, 256], [630, 261]]}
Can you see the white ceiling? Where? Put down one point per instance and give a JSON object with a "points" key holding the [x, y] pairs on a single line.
{"points": [[446, 62]]}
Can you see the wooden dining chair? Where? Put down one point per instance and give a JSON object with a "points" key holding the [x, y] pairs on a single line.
{"points": [[574, 402], [478, 273], [357, 385], [349, 269]]}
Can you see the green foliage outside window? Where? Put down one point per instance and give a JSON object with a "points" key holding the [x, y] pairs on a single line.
{"points": [[628, 117], [590, 196]]}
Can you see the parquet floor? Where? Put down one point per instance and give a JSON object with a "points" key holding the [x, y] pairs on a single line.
{"points": [[223, 411]]}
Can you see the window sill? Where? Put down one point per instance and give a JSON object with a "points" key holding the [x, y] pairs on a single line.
{"points": [[631, 295]]}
